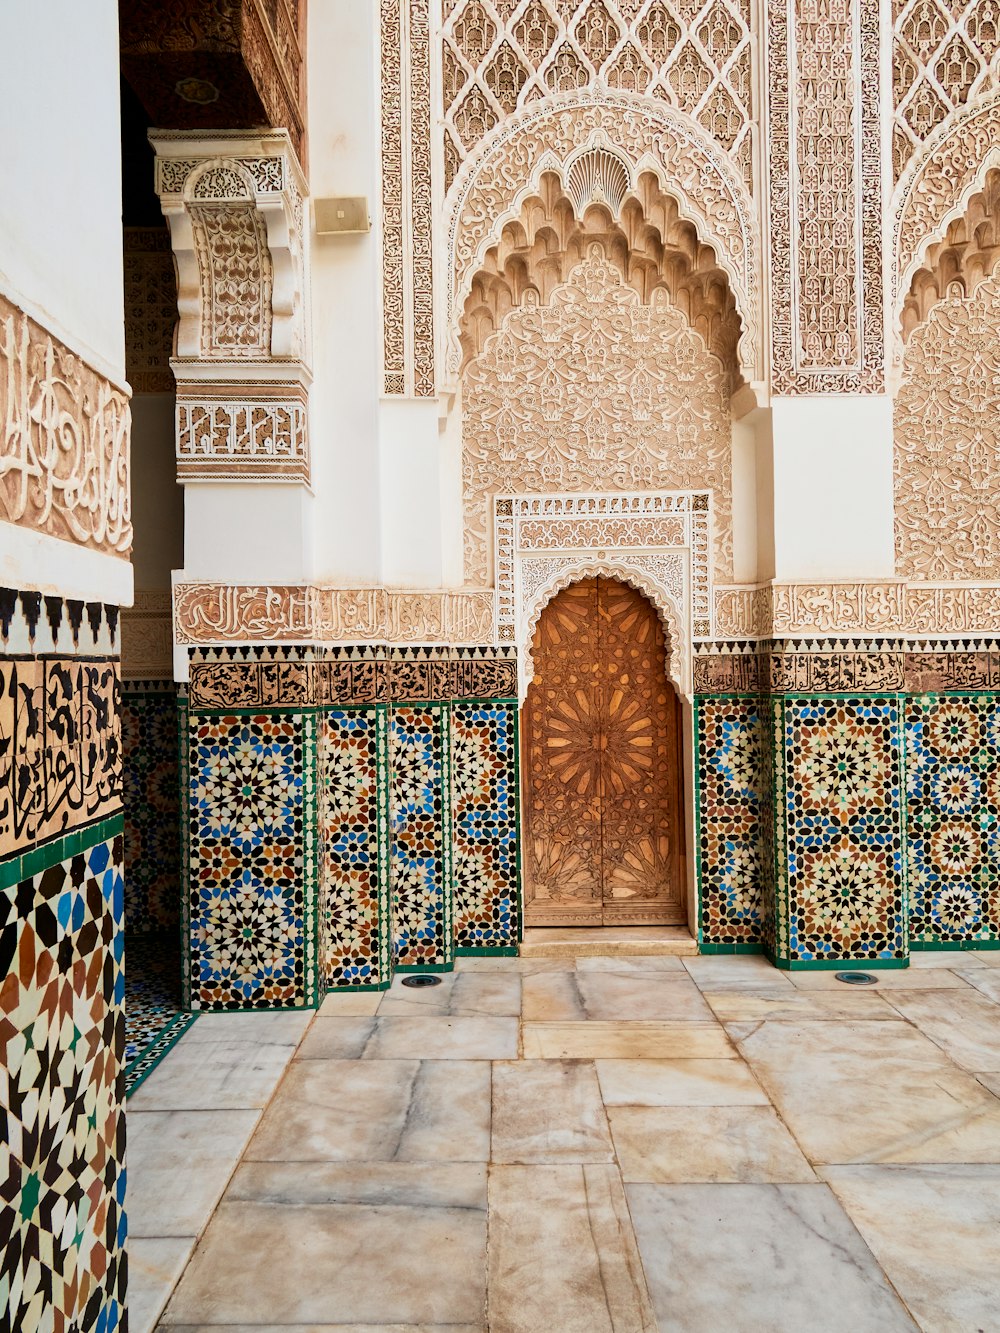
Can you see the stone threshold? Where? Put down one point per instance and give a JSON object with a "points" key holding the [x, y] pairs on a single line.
{"points": [[607, 942]]}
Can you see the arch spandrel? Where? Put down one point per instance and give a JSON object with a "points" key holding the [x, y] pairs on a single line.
{"points": [[494, 184], [938, 185]]}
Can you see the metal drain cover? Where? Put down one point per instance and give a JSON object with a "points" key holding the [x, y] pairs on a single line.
{"points": [[422, 979], [857, 978]]}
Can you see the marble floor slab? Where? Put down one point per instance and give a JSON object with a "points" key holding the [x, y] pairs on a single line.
{"points": [[679, 1083], [628, 963], [351, 1004], [779, 1258], [687, 1144], [222, 1074], [439, 1037], [549, 1111], [741, 1005], [936, 1232], [984, 979], [356, 1110], [871, 1092], [154, 1269], [965, 1024], [562, 1253], [921, 978], [603, 996], [286, 1247], [735, 972], [457, 1163], [179, 1164], [949, 958], [625, 1041], [459, 994]]}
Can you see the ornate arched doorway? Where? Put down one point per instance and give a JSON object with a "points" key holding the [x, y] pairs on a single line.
{"points": [[603, 826]]}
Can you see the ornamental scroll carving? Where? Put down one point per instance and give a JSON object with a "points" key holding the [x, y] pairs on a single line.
{"points": [[64, 451], [696, 57], [826, 192], [689, 166], [947, 442], [594, 392], [408, 362]]}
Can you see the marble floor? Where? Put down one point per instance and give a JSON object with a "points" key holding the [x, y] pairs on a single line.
{"points": [[581, 1145]]}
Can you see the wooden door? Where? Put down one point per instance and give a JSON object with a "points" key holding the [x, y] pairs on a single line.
{"points": [[602, 779]]}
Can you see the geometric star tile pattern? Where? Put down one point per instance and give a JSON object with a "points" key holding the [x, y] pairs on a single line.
{"points": [[252, 871], [842, 829], [729, 773], [152, 814], [953, 817], [420, 847], [484, 821], [353, 779], [62, 1173]]}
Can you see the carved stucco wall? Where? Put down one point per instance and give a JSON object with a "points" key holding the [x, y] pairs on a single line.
{"points": [[947, 442], [594, 392]]}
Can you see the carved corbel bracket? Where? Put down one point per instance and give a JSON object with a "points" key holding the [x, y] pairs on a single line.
{"points": [[233, 202]]}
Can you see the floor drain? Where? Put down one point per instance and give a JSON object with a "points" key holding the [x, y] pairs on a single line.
{"points": [[857, 978], [421, 980]]}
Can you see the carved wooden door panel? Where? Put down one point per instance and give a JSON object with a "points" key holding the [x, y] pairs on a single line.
{"points": [[640, 764], [562, 824], [602, 764]]}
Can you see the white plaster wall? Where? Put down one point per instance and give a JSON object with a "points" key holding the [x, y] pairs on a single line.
{"points": [[411, 493], [833, 506], [60, 149], [61, 232], [157, 500], [252, 533], [744, 501], [347, 333]]}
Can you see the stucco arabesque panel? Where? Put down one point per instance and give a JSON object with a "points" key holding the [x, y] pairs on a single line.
{"points": [[656, 542], [594, 391], [507, 166], [947, 442]]}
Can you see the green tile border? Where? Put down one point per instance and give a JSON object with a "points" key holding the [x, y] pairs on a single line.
{"points": [[744, 947], [154, 1051], [481, 951], [956, 946], [36, 860]]}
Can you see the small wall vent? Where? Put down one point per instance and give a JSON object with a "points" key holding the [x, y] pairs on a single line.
{"points": [[341, 217]]}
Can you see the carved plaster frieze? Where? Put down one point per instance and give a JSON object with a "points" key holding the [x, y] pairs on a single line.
{"points": [[942, 59], [242, 432], [64, 447], [229, 613], [147, 638], [825, 169], [892, 607]]}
